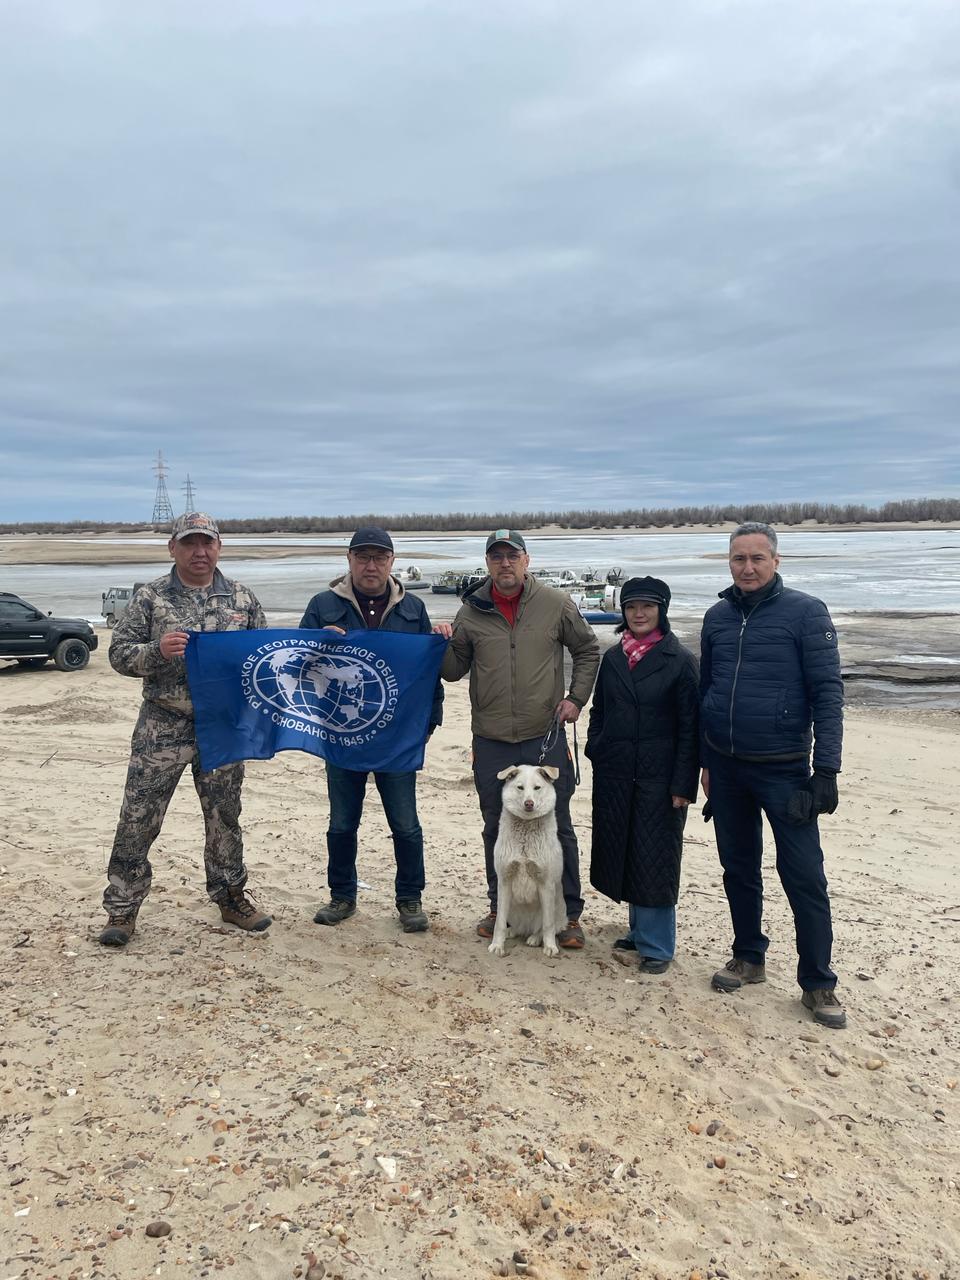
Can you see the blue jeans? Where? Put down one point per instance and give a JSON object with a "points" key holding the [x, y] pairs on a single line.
{"points": [[653, 931], [398, 792], [740, 790]]}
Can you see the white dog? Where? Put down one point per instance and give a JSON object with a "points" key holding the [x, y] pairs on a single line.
{"points": [[528, 860]]}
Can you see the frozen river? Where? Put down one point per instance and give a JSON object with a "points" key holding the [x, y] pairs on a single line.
{"points": [[854, 572]]}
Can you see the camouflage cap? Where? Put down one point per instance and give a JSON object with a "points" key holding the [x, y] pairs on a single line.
{"points": [[194, 522]]}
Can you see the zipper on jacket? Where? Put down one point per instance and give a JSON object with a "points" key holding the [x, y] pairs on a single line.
{"points": [[736, 670]]}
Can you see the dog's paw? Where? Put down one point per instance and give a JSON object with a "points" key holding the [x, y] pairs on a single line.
{"points": [[495, 948], [551, 949], [534, 939]]}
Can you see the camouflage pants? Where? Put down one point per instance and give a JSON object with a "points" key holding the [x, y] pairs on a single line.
{"points": [[162, 747]]}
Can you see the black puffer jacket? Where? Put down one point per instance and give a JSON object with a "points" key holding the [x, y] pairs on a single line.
{"points": [[769, 675], [643, 743]]}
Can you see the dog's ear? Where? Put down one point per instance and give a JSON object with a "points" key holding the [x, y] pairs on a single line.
{"points": [[549, 771], [511, 772]]}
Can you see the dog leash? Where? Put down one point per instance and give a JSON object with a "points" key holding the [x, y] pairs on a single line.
{"points": [[550, 740]]}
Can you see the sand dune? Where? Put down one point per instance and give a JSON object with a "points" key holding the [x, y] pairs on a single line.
{"points": [[375, 1104]]}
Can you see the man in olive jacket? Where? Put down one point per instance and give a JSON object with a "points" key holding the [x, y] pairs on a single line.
{"points": [[510, 635]]}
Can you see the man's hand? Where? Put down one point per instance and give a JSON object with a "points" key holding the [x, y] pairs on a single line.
{"points": [[173, 644], [819, 795], [330, 627], [567, 712], [705, 782], [826, 797], [444, 629], [679, 802]]}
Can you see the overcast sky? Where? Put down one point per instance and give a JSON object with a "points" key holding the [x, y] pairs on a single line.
{"points": [[385, 255]]}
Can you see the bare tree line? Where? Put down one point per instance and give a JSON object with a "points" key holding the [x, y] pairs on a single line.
{"points": [[782, 514]]}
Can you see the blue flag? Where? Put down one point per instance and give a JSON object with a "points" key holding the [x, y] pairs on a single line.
{"points": [[360, 700]]}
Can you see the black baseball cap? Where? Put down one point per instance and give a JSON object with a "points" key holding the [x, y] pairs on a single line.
{"points": [[371, 536], [508, 536], [652, 589]]}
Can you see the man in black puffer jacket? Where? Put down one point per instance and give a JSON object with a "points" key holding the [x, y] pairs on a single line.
{"points": [[770, 690]]}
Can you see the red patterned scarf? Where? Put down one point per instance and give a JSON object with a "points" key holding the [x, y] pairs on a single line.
{"points": [[635, 649]]}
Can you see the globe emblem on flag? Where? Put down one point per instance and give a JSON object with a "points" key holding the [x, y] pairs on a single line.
{"points": [[330, 689]]}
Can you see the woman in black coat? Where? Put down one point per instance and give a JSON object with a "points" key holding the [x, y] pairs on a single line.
{"points": [[643, 744]]}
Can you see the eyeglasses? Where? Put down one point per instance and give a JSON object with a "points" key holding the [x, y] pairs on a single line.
{"points": [[503, 557], [371, 557]]}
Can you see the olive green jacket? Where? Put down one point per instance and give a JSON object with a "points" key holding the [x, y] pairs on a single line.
{"points": [[167, 605], [516, 673]]}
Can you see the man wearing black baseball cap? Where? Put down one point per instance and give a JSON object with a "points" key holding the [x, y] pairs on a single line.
{"points": [[511, 634], [368, 596]]}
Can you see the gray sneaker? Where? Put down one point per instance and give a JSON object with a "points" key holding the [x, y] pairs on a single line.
{"points": [[825, 1007], [336, 910], [736, 973], [413, 918]]}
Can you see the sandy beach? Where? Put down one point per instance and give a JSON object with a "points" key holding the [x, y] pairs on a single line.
{"points": [[369, 1103]]}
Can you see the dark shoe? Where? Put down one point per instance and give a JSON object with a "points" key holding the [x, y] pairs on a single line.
{"points": [[571, 938], [119, 930], [487, 925], [336, 910], [649, 965], [237, 909], [624, 944], [825, 1007], [737, 973], [413, 918]]}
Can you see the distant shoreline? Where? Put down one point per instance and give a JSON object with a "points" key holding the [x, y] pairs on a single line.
{"points": [[97, 549]]}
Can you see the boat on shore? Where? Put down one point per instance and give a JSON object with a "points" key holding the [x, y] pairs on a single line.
{"points": [[445, 584], [599, 605], [411, 578]]}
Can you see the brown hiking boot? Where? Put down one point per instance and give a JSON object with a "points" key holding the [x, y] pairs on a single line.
{"points": [[237, 909], [571, 938], [825, 1007], [119, 930], [737, 973], [487, 925]]}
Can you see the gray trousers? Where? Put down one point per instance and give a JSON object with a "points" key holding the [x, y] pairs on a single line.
{"points": [[162, 747], [489, 758]]}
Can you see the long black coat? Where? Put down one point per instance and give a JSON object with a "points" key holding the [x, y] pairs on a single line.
{"points": [[643, 744]]}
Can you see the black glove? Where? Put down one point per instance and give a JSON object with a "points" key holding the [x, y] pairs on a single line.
{"points": [[707, 811], [819, 795], [800, 806], [825, 794]]}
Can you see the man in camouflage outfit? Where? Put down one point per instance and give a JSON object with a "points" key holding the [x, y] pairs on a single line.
{"points": [[149, 642]]}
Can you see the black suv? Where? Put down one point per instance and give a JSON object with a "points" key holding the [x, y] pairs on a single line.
{"points": [[32, 638]]}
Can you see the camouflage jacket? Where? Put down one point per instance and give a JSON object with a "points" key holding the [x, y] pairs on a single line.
{"points": [[167, 605]]}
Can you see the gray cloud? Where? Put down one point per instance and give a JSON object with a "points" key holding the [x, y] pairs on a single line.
{"points": [[409, 255]]}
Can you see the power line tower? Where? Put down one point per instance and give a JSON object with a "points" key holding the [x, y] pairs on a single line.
{"points": [[191, 497], [162, 510]]}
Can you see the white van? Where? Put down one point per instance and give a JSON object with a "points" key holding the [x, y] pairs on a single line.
{"points": [[115, 602]]}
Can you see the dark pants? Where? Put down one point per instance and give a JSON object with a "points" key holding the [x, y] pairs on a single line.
{"points": [[398, 792], [489, 758], [739, 791]]}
